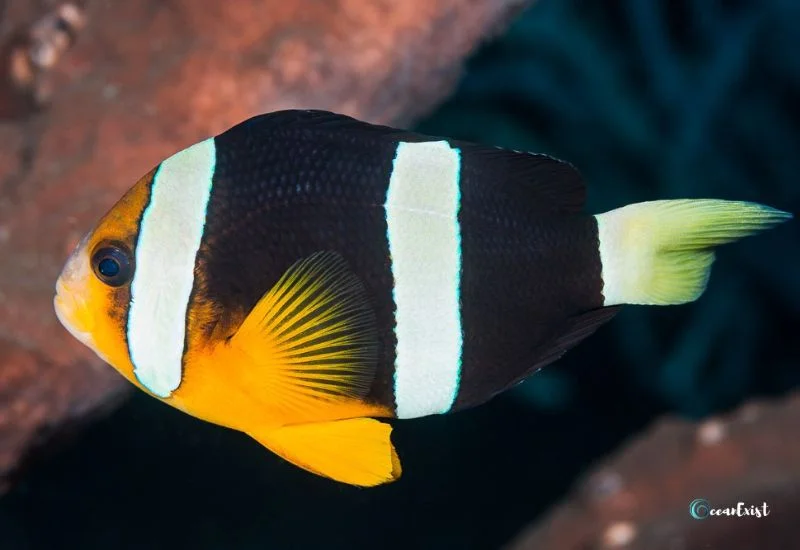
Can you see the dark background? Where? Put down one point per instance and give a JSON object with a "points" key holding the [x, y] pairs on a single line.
{"points": [[650, 100]]}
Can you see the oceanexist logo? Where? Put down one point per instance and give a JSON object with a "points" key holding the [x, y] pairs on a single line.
{"points": [[700, 508]]}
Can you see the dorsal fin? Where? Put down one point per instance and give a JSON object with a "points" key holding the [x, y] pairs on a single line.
{"points": [[546, 183], [325, 120]]}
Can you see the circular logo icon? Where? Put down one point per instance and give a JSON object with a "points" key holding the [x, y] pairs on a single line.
{"points": [[699, 508]]}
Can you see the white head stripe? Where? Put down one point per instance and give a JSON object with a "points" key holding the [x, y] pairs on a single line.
{"points": [[169, 237], [425, 245]]}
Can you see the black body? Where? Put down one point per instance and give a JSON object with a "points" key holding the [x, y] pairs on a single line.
{"points": [[291, 183]]}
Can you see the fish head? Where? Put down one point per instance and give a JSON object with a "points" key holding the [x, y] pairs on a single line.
{"points": [[93, 291]]}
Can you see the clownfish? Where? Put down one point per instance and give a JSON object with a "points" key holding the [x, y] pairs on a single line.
{"points": [[305, 277]]}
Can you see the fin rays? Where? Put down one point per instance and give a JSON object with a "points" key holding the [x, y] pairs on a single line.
{"points": [[315, 332], [357, 451], [661, 252]]}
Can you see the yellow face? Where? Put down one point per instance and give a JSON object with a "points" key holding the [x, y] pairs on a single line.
{"points": [[93, 290]]}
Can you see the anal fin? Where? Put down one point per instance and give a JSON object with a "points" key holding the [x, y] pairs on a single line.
{"points": [[356, 451], [578, 329]]}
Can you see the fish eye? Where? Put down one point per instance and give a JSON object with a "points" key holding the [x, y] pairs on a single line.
{"points": [[112, 264]]}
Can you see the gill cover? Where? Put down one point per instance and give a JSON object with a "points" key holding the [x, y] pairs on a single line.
{"points": [[91, 300]]}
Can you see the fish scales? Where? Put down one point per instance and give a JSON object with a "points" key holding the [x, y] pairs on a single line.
{"points": [[303, 277]]}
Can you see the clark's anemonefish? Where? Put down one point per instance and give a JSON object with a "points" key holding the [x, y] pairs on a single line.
{"points": [[304, 276]]}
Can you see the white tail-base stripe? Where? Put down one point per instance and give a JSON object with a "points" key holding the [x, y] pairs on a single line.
{"points": [[424, 235], [169, 236], [611, 232]]}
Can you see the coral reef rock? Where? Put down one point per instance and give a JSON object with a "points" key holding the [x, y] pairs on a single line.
{"points": [[142, 80], [667, 489]]}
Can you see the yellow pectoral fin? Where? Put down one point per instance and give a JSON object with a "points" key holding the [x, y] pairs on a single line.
{"points": [[357, 451], [311, 340]]}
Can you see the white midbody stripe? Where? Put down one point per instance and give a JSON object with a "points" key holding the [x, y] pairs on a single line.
{"points": [[169, 237], [422, 206]]}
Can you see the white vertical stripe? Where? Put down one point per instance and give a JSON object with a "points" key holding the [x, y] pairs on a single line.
{"points": [[626, 255], [610, 233], [169, 236], [425, 245]]}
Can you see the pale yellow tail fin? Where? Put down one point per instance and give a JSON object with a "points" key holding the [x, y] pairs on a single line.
{"points": [[660, 252]]}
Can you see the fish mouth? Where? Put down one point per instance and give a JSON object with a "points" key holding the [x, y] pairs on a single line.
{"points": [[72, 314]]}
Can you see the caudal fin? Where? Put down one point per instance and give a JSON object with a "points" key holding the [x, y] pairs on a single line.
{"points": [[660, 252]]}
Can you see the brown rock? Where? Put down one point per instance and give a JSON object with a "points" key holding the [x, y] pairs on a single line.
{"points": [[29, 55], [148, 78], [639, 498]]}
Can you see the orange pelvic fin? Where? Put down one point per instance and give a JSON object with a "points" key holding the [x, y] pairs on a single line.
{"points": [[356, 451], [311, 341]]}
